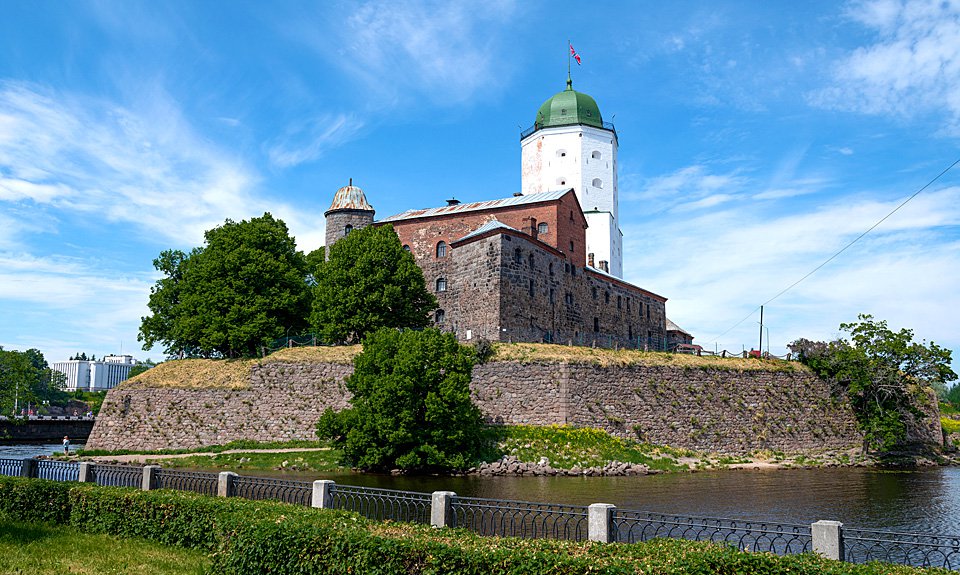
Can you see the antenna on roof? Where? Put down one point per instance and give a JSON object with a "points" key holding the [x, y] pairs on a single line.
{"points": [[351, 182]]}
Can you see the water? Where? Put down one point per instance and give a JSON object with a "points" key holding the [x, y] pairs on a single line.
{"points": [[25, 450]]}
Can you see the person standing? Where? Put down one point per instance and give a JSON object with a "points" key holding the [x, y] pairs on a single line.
{"points": [[66, 445]]}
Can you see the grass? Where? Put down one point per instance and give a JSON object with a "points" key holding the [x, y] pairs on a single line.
{"points": [[40, 549], [567, 447], [289, 461], [950, 425]]}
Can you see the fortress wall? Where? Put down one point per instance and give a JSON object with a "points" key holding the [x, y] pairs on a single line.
{"points": [[717, 410]]}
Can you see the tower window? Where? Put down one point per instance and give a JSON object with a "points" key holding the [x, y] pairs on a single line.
{"points": [[530, 288], [530, 260], [619, 302], [517, 256], [571, 245], [441, 249], [347, 229], [568, 297], [563, 111], [594, 292], [606, 297], [542, 228], [406, 248], [441, 284], [552, 292], [597, 183], [439, 316], [551, 268], [561, 153], [596, 325], [595, 155], [561, 182]]}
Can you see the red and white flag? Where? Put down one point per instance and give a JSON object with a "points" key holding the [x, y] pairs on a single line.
{"points": [[574, 54]]}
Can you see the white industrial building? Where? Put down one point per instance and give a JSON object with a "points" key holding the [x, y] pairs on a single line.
{"points": [[99, 375]]}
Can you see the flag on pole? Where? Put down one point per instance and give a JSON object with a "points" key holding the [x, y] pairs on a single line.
{"points": [[574, 54]]}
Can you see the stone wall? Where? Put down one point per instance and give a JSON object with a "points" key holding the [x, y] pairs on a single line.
{"points": [[717, 410]]}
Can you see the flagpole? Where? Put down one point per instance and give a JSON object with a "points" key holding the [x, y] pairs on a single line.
{"points": [[569, 43]]}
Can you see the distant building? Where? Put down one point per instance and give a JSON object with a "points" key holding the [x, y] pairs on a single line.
{"points": [[679, 339], [85, 375]]}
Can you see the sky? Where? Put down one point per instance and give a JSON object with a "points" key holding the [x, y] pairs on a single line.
{"points": [[757, 139]]}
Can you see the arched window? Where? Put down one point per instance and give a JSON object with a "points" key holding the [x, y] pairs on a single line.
{"points": [[441, 249], [439, 316], [441, 284], [597, 183], [551, 268], [561, 181], [530, 260], [595, 155], [561, 153], [347, 229], [406, 248], [542, 228], [517, 256]]}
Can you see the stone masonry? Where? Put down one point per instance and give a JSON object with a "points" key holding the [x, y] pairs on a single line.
{"points": [[723, 411]]}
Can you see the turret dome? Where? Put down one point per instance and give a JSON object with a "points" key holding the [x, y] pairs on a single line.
{"points": [[349, 197], [567, 108]]}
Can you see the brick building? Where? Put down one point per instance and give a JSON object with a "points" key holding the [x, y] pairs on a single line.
{"points": [[536, 266]]}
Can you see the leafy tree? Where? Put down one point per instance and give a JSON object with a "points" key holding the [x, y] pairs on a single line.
{"points": [[241, 290], [26, 378], [369, 282], [884, 374], [141, 367], [411, 405], [953, 396]]}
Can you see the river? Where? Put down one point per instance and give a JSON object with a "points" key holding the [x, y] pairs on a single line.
{"points": [[924, 500]]}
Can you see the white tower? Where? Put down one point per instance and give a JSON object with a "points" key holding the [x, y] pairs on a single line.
{"points": [[570, 146]]}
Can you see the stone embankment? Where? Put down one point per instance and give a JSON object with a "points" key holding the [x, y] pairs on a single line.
{"points": [[510, 465]]}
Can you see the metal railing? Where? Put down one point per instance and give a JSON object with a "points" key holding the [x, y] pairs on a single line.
{"points": [[260, 488], [383, 504], [862, 545], [779, 538], [505, 518], [195, 481]]}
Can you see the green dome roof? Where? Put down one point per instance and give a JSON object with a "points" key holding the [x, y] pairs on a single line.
{"points": [[567, 108]]}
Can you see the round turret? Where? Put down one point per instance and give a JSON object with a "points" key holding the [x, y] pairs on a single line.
{"points": [[567, 108], [349, 211]]}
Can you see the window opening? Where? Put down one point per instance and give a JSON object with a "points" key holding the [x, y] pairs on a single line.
{"points": [[441, 284], [542, 228], [440, 316], [441, 249], [347, 229]]}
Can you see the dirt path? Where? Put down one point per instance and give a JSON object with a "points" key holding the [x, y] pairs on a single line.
{"points": [[141, 457]]}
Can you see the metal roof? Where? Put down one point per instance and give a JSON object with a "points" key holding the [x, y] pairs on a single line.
{"points": [[489, 204], [674, 327], [350, 198], [491, 225]]}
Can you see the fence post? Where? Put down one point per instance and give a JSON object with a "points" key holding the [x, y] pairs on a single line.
{"points": [[28, 468], [827, 537], [323, 494], [440, 509], [225, 484], [85, 475], [600, 522], [149, 477]]}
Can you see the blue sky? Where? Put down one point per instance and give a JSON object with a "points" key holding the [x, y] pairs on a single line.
{"points": [[756, 140]]}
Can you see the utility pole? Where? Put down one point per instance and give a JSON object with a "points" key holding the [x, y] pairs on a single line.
{"points": [[760, 349]]}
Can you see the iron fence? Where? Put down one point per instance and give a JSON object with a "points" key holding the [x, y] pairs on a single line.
{"points": [[11, 467], [862, 545], [383, 504], [57, 470], [779, 538], [285, 490], [117, 475], [505, 518], [195, 481]]}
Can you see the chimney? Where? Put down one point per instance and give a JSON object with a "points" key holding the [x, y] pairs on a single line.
{"points": [[453, 202], [517, 194], [590, 260], [605, 266], [530, 226]]}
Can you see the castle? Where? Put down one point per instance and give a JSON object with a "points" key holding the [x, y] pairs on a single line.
{"points": [[544, 265]]}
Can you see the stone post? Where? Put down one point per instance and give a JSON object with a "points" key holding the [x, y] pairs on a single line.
{"points": [[440, 509], [149, 477], [600, 522], [827, 537], [225, 484], [86, 472], [323, 494], [28, 468]]}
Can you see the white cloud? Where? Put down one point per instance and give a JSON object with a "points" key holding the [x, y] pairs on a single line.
{"points": [[913, 66], [308, 140]]}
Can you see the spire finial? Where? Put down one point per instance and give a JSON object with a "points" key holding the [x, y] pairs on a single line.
{"points": [[351, 182], [569, 82]]}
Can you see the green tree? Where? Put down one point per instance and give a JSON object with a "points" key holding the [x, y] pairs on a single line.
{"points": [[953, 395], [141, 367], [369, 282], [26, 378], [884, 374], [245, 287], [411, 406]]}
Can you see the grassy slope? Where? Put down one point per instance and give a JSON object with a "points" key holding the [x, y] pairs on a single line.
{"points": [[40, 549]]}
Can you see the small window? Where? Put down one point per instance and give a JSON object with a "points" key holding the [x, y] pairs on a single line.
{"points": [[406, 248], [596, 325], [630, 332], [628, 304], [561, 153], [595, 155], [597, 183], [561, 181], [347, 229], [441, 284], [439, 316], [606, 297], [563, 111], [648, 312], [640, 309], [552, 295], [542, 228], [571, 245], [530, 289], [517, 256], [568, 297], [530, 261], [566, 268], [571, 215], [551, 268], [594, 292], [619, 302], [441, 249]]}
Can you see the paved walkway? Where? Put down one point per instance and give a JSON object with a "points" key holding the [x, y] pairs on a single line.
{"points": [[141, 457]]}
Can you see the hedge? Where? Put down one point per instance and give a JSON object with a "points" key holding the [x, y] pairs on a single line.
{"points": [[262, 537]]}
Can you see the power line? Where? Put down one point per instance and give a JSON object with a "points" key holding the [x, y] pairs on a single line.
{"points": [[845, 248]]}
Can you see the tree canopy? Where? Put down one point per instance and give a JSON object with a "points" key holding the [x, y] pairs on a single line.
{"points": [[411, 406], [26, 378], [244, 288], [884, 374], [369, 282]]}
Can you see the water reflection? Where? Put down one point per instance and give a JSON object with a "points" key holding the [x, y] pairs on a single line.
{"points": [[24, 450]]}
